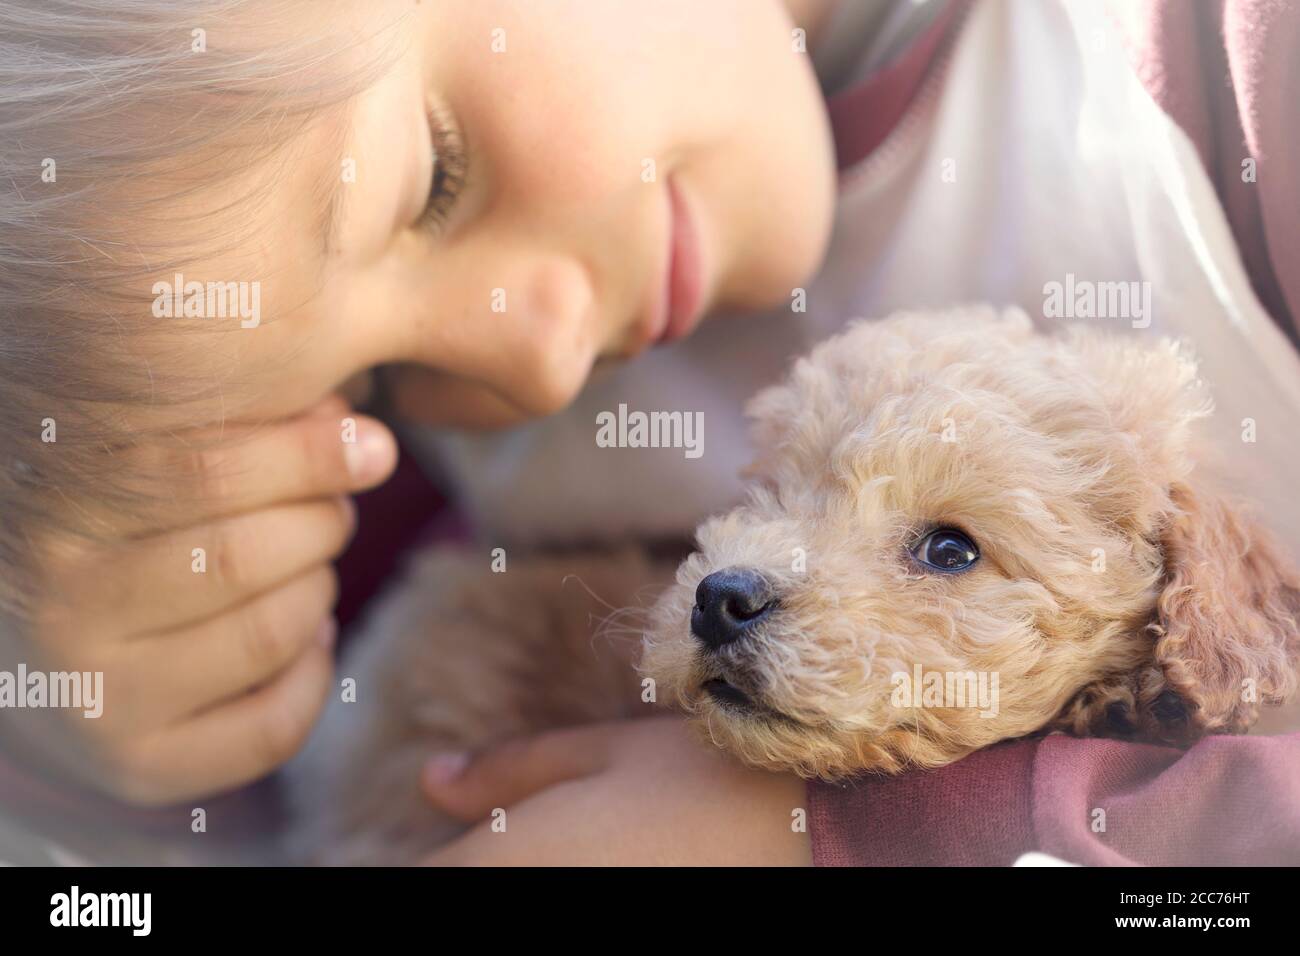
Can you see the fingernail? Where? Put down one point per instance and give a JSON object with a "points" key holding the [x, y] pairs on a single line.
{"points": [[446, 767], [371, 455], [329, 630]]}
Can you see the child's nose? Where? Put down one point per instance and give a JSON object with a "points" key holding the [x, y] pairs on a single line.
{"points": [[728, 605]]}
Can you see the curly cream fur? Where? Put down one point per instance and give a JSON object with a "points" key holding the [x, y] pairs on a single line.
{"points": [[1063, 453]]}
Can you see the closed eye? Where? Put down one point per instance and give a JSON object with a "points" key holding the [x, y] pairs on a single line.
{"points": [[946, 549], [449, 167]]}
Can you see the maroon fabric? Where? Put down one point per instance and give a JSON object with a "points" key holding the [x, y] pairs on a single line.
{"points": [[863, 115], [1228, 801], [1228, 73]]}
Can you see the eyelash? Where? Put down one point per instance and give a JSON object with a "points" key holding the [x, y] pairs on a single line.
{"points": [[449, 166]]}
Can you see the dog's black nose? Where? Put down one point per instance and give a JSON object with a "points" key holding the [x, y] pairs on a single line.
{"points": [[728, 604]]}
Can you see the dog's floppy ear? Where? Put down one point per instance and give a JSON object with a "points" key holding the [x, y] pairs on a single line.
{"points": [[1224, 634], [1225, 628], [1223, 638]]}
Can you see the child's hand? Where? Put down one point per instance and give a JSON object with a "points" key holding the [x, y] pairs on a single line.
{"points": [[633, 792], [211, 678]]}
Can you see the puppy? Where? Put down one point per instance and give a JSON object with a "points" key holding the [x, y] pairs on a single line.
{"points": [[957, 532]]}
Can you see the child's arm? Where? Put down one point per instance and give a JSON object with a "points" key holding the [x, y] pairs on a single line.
{"points": [[638, 792], [214, 664]]}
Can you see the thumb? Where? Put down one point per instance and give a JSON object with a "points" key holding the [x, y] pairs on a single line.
{"points": [[470, 786]]}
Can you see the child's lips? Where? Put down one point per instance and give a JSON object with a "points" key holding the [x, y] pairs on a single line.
{"points": [[685, 283], [678, 305]]}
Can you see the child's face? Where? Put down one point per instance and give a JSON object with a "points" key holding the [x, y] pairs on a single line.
{"points": [[576, 122]]}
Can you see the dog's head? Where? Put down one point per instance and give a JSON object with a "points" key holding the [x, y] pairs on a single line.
{"points": [[959, 532]]}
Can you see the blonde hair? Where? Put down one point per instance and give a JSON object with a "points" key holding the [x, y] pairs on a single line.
{"points": [[103, 106]]}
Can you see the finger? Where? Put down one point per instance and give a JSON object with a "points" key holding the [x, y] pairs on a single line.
{"points": [[318, 455], [436, 398], [182, 577], [239, 742], [469, 788], [233, 653]]}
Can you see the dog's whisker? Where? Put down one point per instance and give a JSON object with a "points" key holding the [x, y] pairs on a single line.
{"points": [[594, 596], [612, 629]]}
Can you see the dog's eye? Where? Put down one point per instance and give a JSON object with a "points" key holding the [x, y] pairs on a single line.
{"points": [[946, 549]]}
